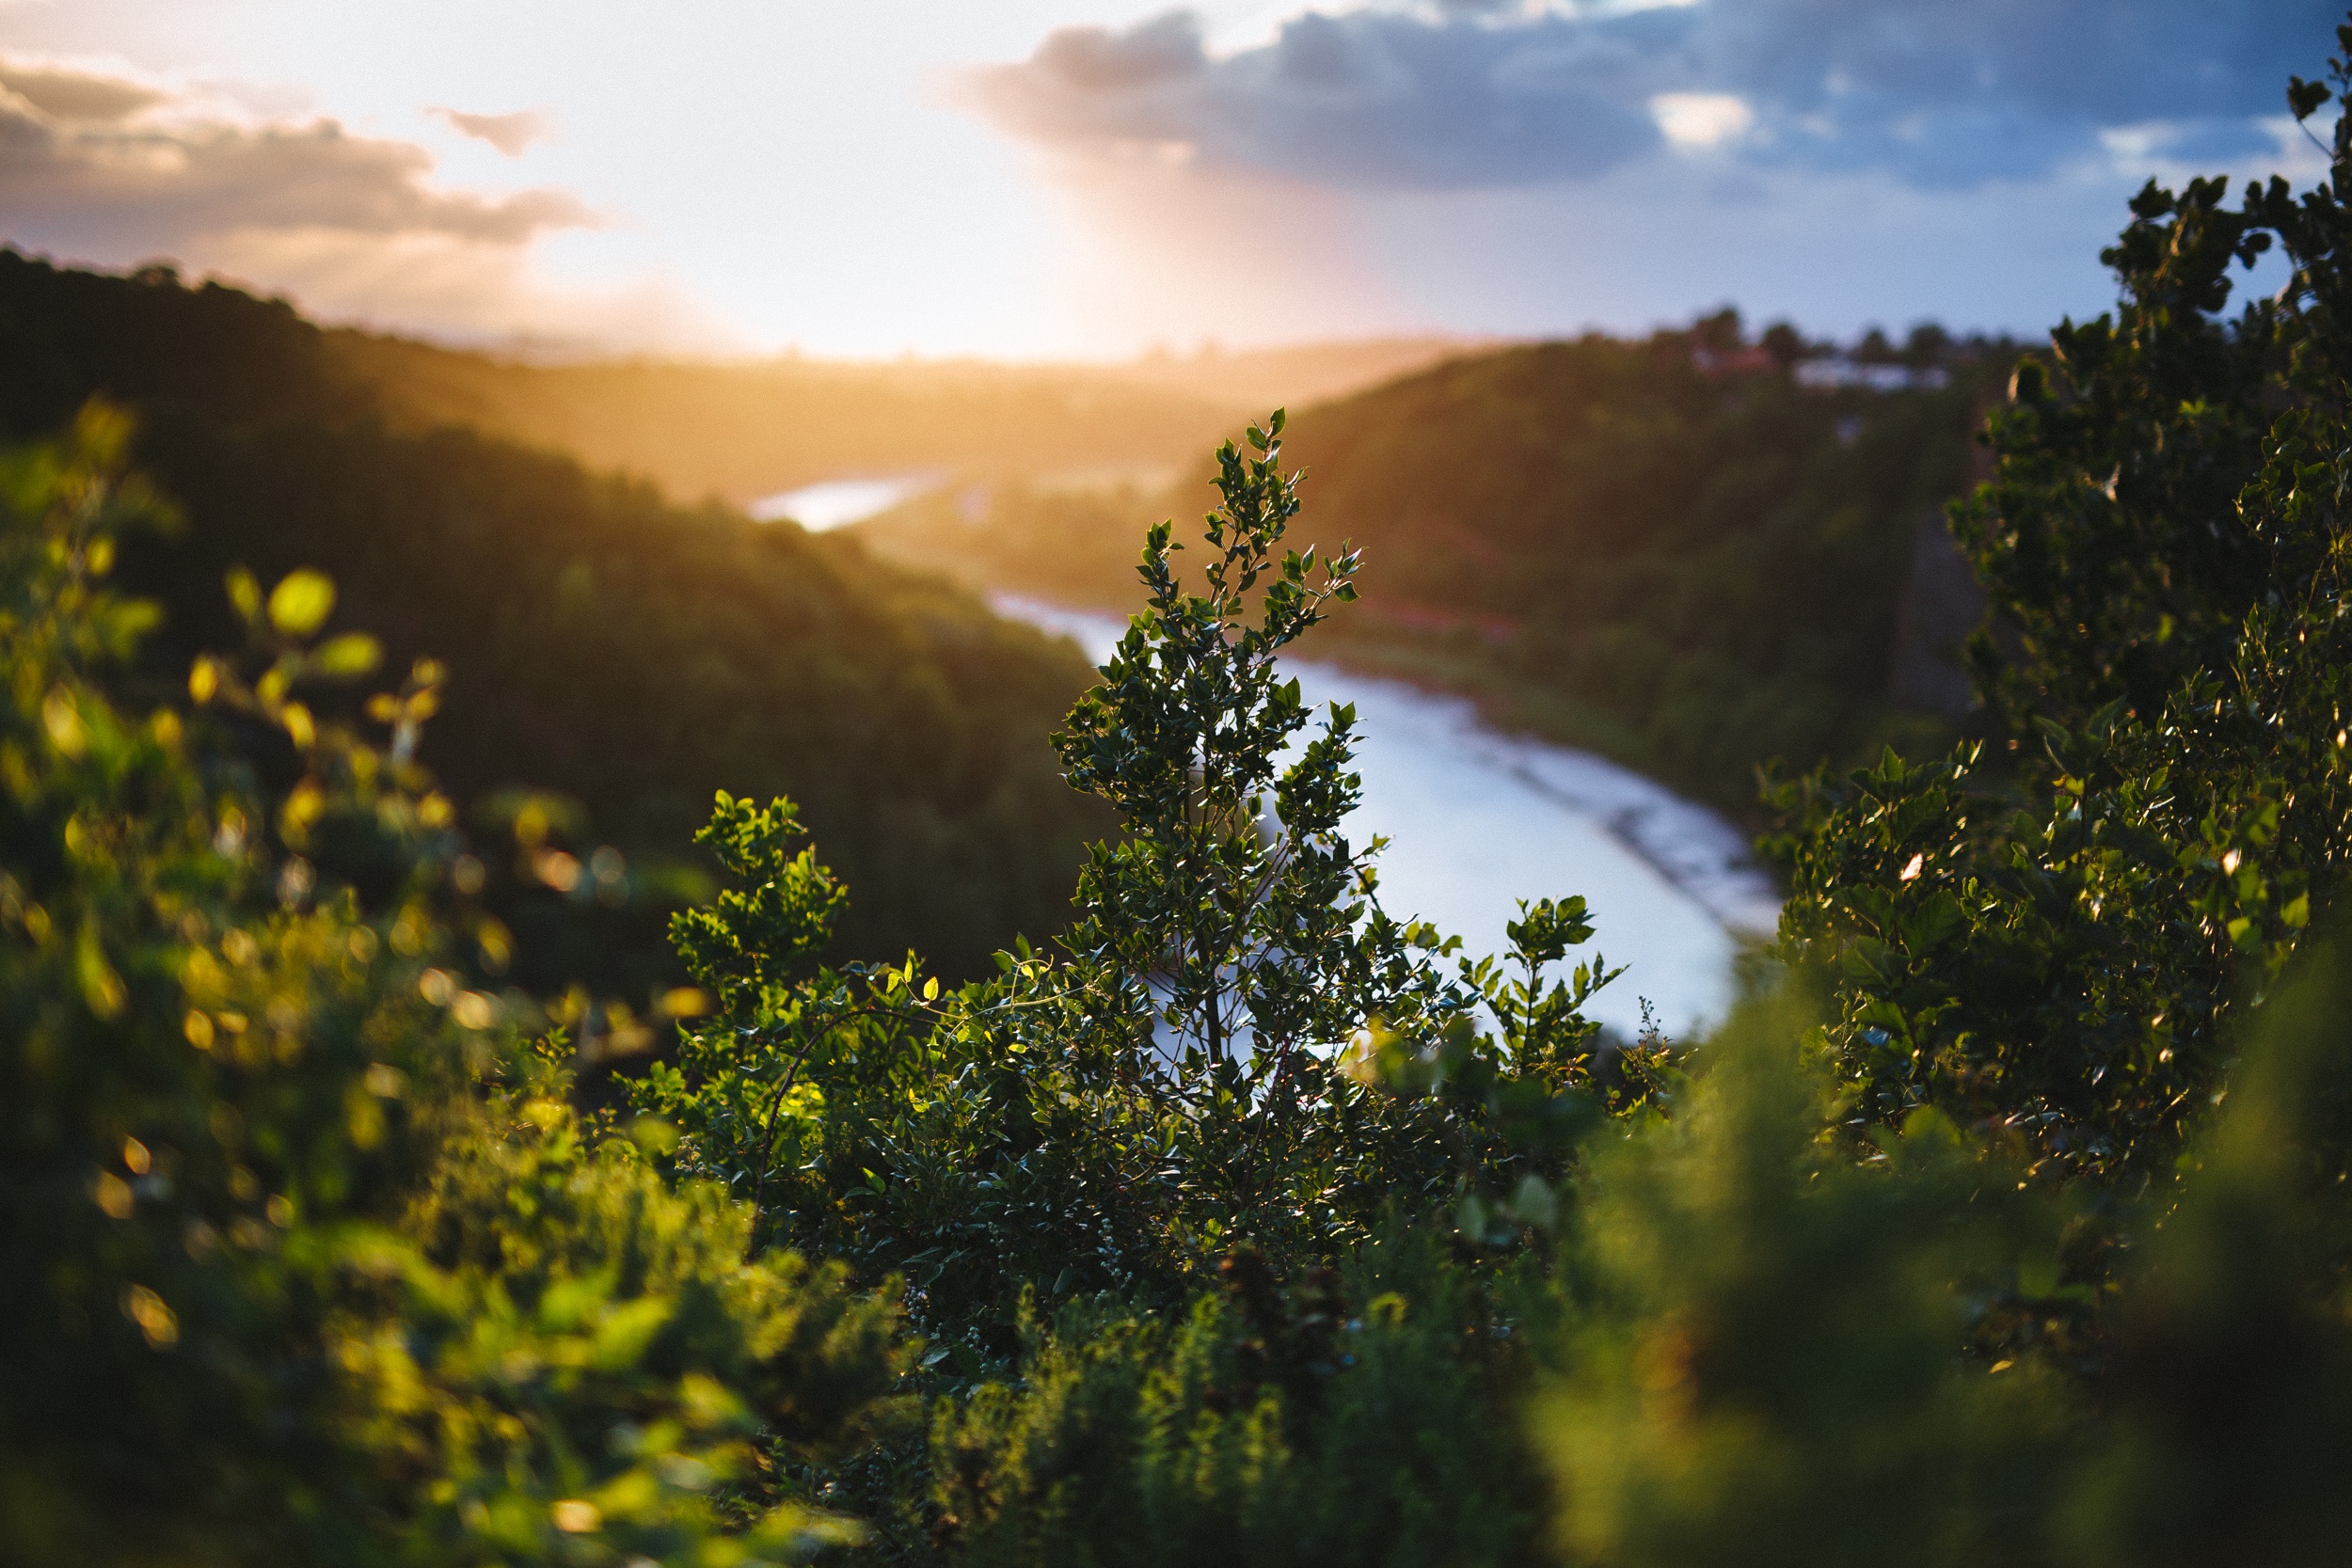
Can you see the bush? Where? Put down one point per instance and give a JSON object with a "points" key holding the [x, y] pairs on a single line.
{"points": [[304, 1257]]}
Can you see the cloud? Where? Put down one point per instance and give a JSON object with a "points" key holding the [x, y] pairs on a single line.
{"points": [[73, 95], [98, 162], [100, 166], [510, 134], [1472, 94], [1364, 99]]}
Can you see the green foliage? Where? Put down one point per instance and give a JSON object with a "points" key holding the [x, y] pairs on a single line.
{"points": [[1246, 925], [583, 1345], [2229, 1403], [1342, 1422], [2058, 932], [1238, 1066], [1763, 1363], [1237, 1044], [303, 1259], [746, 943], [1775, 1353]]}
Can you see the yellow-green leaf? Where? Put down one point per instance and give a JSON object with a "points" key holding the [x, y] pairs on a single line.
{"points": [[300, 605], [355, 653], [626, 1330], [244, 594]]}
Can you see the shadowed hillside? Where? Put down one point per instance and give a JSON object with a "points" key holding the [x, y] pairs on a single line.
{"points": [[627, 654]]}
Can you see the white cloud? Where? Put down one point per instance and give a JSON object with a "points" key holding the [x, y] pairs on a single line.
{"points": [[1702, 119]]}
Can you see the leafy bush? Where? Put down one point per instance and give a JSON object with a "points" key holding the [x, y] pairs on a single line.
{"points": [[1775, 1352], [2059, 931], [304, 1257], [1766, 1357], [1344, 1421]]}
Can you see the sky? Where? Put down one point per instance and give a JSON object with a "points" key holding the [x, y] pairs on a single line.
{"points": [[1090, 178]]}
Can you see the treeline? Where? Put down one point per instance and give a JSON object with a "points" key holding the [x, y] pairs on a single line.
{"points": [[1696, 552], [621, 655]]}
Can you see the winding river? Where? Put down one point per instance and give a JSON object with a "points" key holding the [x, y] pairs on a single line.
{"points": [[1477, 820]]}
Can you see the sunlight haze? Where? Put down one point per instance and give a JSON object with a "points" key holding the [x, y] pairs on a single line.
{"points": [[1086, 177]]}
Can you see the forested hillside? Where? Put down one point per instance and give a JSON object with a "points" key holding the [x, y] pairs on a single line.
{"points": [[1672, 550], [605, 645]]}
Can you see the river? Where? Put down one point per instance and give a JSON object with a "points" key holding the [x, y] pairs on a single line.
{"points": [[1477, 819], [838, 502]]}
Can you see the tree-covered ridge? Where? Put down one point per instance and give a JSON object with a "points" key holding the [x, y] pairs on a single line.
{"points": [[606, 645], [1678, 550]]}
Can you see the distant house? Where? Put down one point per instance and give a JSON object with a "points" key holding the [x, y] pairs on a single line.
{"points": [[1752, 360], [1824, 375]]}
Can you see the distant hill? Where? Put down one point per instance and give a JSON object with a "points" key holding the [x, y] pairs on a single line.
{"points": [[631, 654], [740, 431], [1691, 551], [1256, 379]]}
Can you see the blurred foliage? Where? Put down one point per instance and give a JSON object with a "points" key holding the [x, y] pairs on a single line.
{"points": [[1765, 1358], [304, 1257], [1346, 1420], [1670, 550], [2054, 928], [1775, 1352], [603, 647]]}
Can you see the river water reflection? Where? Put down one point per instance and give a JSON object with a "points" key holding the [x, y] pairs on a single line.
{"points": [[1478, 820]]}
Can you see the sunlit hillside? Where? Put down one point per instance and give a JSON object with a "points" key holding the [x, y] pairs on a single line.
{"points": [[741, 431]]}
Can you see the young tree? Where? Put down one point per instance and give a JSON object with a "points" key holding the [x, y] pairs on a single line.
{"points": [[1237, 1044]]}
